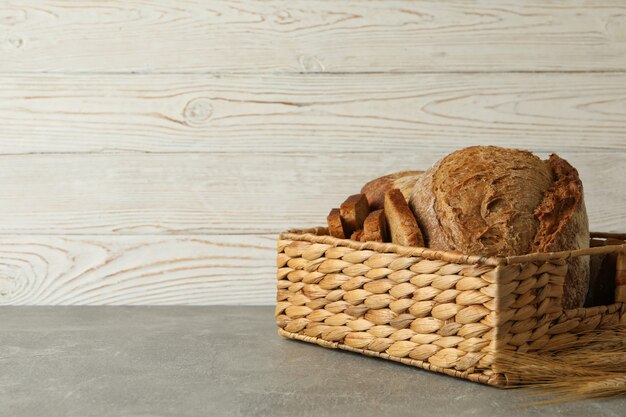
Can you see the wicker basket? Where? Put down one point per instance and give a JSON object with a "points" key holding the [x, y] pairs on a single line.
{"points": [[441, 311]]}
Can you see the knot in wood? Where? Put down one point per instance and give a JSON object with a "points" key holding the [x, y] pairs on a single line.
{"points": [[14, 42], [9, 282], [198, 111], [309, 63]]}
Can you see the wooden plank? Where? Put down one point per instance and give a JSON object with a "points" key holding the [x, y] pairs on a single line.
{"points": [[127, 270], [228, 193], [312, 36], [311, 113]]}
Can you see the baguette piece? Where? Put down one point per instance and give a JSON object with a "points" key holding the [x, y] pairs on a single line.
{"points": [[402, 224], [491, 201], [353, 213], [335, 225], [375, 227], [375, 190]]}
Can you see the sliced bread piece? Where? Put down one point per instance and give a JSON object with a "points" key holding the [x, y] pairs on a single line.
{"points": [[402, 224], [375, 227], [353, 213], [335, 226], [358, 236]]}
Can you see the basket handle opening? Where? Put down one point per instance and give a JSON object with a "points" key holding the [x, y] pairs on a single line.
{"points": [[607, 275]]}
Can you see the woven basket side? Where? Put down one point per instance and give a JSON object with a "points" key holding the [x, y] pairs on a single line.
{"points": [[442, 311], [430, 313], [532, 318], [320, 235], [529, 302]]}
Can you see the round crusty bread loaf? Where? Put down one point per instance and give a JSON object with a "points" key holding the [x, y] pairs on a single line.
{"points": [[492, 201]]}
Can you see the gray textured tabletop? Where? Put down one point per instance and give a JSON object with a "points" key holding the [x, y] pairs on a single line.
{"points": [[218, 361]]}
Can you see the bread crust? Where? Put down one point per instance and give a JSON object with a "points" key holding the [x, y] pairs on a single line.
{"points": [[335, 225], [353, 213], [375, 190], [563, 225], [402, 224], [375, 227], [480, 200], [358, 236], [492, 201]]}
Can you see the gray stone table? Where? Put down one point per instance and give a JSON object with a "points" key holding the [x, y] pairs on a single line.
{"points": [[219, 361]]}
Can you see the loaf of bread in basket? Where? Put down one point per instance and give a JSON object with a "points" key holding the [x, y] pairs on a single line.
{"points": [[503, 267]]}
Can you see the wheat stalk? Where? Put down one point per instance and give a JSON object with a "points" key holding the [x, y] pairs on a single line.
{"points": [[594, 366]]}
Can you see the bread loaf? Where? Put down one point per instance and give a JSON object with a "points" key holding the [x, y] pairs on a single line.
{"points": [[375, 190], [403, 227], [495, 201]]}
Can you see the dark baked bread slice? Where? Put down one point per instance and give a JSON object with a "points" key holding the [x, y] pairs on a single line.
{"points": [[335, 225], [403, 227], [353, 213], [375, 227], [487, 201], [375, 190]]}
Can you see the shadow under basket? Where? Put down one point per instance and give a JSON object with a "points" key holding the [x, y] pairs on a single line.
{"points": [[441, 311]]}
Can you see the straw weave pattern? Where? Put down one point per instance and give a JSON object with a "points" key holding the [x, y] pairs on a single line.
{"points": [[441, 311]]}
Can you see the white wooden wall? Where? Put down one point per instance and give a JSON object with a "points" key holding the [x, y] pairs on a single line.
{"points": [[151, 151]]}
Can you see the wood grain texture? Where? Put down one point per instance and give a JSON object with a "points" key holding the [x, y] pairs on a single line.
{"points": [[150, 151], [225, 193], [117, 270], [312, 36], [311, 113]]}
